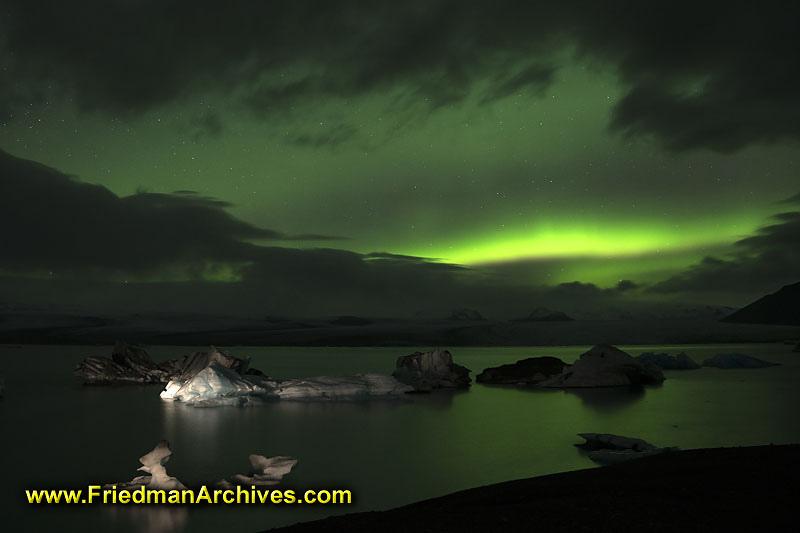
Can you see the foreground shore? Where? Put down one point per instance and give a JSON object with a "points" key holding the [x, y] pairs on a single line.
{"points": [[720, 489]]}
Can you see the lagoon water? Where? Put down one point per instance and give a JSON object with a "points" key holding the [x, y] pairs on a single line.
{"points": [[59, 434]]}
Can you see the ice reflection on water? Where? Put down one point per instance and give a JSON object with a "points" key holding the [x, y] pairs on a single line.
{"points": [[149, 519]]}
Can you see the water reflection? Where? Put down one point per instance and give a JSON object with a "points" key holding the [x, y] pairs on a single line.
{"points": [[148, 519], [601, 399], [608, 399], [209, 420], [439, 399], [529, 389]]}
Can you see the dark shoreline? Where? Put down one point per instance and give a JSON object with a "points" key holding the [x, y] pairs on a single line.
{"points": [[83, 331], [719, 489]]}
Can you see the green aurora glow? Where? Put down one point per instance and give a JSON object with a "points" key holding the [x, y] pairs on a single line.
{"points": [[535, 177]]}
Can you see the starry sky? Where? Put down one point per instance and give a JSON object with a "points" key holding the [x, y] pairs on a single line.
{"points": [[363, 157]]}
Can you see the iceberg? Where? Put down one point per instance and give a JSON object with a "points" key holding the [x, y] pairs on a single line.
{"points": [[431, 370], [342, 387], [668, 362], [131, 364], [264, 472], [192, 364], [736, 360], [157, 478], [605, 366], [528, 371], [606, 448], [596, 441], [217, 385], [227, 380]]}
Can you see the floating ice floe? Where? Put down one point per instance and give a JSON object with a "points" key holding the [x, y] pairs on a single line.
{"points": [[668, 362], [530, 371], [431, 370], [341, 387], [264, 472], [606, 448], [605, 366], [736, 360], [217, 385], [131, 364], [157, 478]]}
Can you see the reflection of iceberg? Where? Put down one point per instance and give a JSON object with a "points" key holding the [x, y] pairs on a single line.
{"points": [[264, 472], [153, 463], [150, 518], [217, 385], [607, 399]]}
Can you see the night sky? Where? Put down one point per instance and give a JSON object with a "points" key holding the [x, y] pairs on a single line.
{"points": [[318, 158]]}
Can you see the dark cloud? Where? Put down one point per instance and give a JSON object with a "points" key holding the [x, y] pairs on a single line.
{"points": [[51, 222], [627, 285], [580, 289], [313, 237], [90, 239], [713, 75], [758, 264], [537, 76], [792, 200], [401, 257]]}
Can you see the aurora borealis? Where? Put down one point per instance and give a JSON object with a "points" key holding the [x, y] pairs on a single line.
{"points": [[352, 152]]}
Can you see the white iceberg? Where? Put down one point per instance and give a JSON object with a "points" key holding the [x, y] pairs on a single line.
{"points": [[217, 382], [218, 385], [153, 463], [264, 472]]}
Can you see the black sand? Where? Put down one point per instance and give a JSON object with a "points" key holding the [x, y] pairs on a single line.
{"points": [[724, 489]]}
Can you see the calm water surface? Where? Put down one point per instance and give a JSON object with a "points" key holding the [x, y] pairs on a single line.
{"points": [[57, 433]]}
